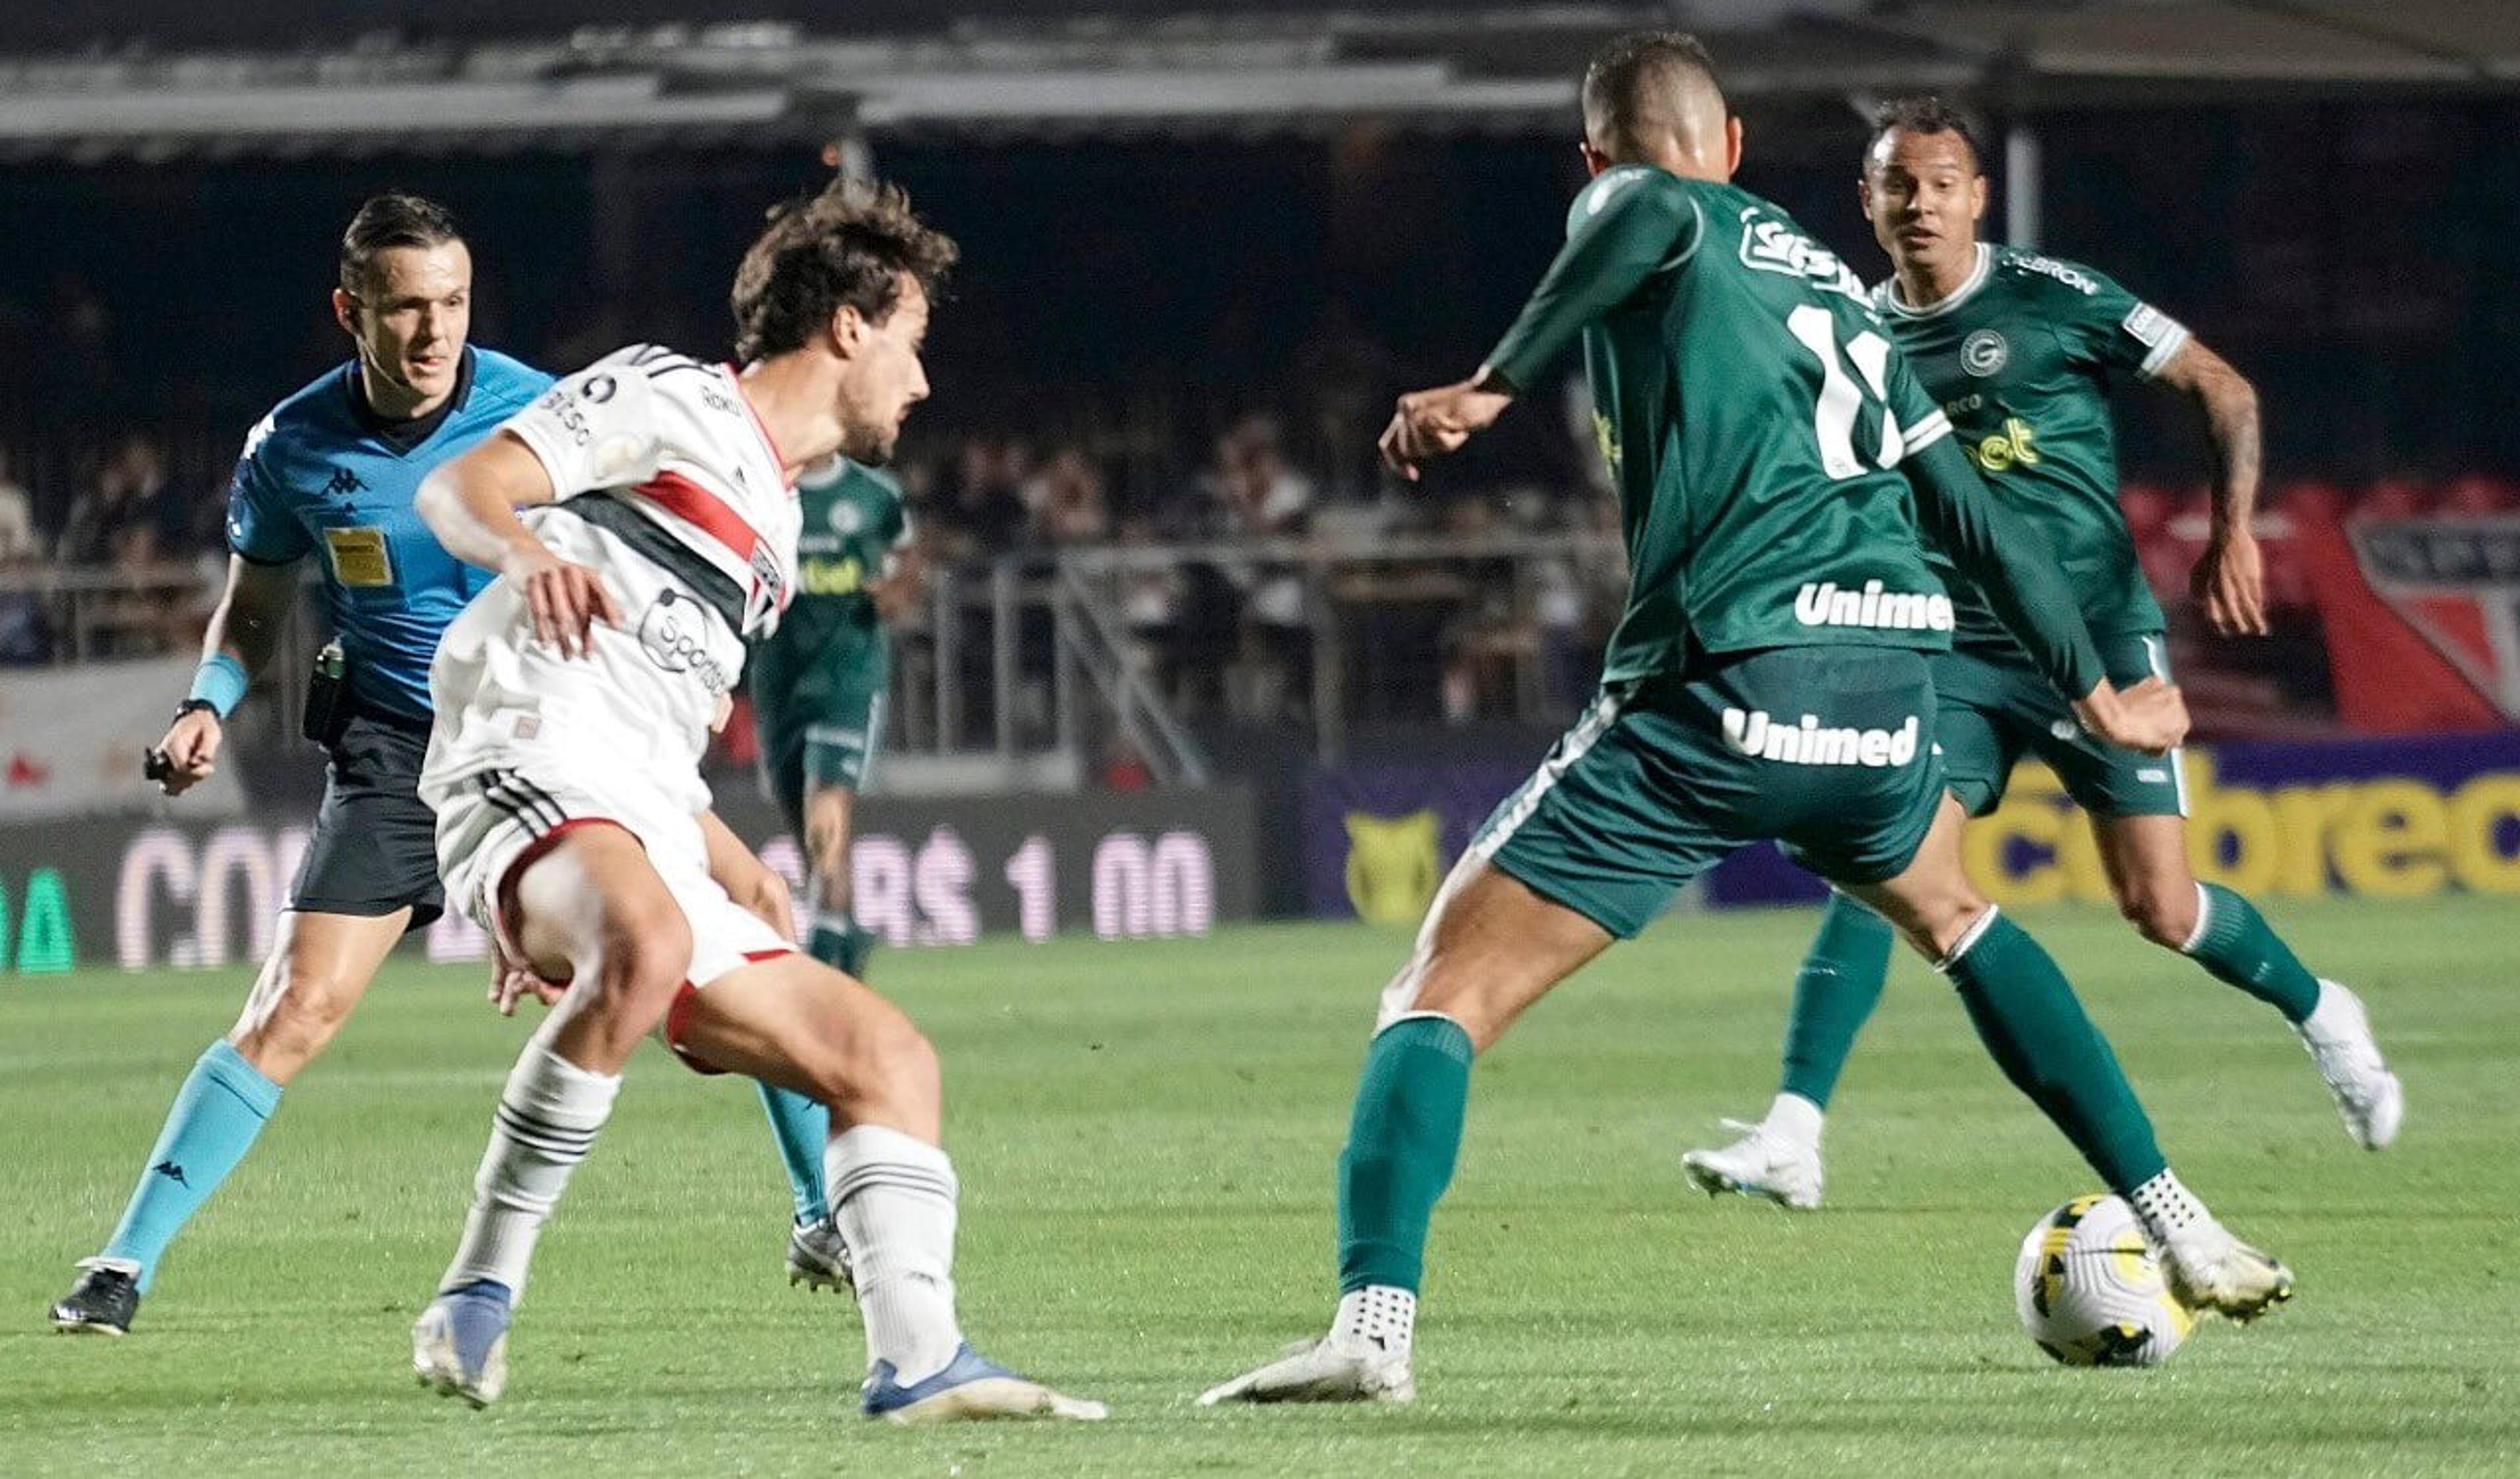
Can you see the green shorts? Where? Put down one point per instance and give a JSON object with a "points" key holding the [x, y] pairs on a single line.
{"points": [[1822, 748], [1995, 708], [820, 727]]}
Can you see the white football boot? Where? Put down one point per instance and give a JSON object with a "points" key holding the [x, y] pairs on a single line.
{"points": [[1331, 1369], [2338, 1035], [818, 1258], [2211, 1269], [1760, 1162]]}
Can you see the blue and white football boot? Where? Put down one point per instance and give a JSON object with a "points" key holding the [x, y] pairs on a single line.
{"points": [[970, 1388], [460, 1344]]}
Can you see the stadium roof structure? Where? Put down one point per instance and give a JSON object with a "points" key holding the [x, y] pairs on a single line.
{"points": [[221, 79]]}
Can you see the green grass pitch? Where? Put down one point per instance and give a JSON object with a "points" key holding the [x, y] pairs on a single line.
{"points": [[1145, 1135]]}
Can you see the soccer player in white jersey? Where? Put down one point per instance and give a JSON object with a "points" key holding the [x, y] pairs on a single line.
{"points": [[574, 699]]}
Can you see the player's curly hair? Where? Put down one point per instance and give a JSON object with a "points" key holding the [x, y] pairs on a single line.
{"points": [[391, 220], [849, 245], [1923, 112]]}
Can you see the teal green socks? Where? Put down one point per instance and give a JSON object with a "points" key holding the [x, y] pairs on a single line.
{"points": [[1834, 994], [1401, 1144], [217, 1114], [2038, 1034], [802, 1127], [2234, 942]]}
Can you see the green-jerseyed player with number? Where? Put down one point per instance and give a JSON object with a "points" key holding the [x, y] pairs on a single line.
{"points": [[2023, 350], [1767, 442], [817, 687]]}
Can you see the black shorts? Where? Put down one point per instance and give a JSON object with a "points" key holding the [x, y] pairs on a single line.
{"points": [[375, 846]]}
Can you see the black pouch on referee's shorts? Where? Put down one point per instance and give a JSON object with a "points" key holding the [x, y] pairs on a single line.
{"points": [[327, 697]]}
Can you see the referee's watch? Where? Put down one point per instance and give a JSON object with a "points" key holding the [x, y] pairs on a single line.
{"points": [[191, 706]]}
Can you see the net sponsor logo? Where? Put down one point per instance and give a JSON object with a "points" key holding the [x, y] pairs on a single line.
{"points": [[2014, 444], [1812, 743], [1826, 603]]}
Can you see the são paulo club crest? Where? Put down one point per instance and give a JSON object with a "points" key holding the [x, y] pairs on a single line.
{"points": [[2457, 581], [1984, 353]]}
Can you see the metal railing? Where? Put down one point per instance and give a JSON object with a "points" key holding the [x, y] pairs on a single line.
{"points": [[1037, 653], [1023, 659], [91, 612]]}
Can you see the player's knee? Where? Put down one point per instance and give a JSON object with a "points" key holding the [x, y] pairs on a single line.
{"points": [[1474, 998], [646, 957], [294, 1016], [2165, 916], [891, 1068]]}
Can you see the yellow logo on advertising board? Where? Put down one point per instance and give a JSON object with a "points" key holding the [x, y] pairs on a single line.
{"points": [[2390, 837], [1394, 865]]}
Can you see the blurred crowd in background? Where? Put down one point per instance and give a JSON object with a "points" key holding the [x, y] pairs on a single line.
{"points": [[1225, 387]]}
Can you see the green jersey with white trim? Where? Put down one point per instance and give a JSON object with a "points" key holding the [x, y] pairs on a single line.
{"points": [[1754, 416], [2023, 358], [853, 530]]}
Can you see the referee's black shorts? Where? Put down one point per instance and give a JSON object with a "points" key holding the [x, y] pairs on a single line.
{"points": [[375, 846]]}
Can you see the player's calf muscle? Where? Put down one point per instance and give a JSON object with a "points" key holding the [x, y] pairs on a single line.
{"points": [[318, 971], [1496, 948]]}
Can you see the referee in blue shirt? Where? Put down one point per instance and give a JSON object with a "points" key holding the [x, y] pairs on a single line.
{"points": [[329, 473]]}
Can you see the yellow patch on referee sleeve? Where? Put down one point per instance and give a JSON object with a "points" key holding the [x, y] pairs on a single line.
{"points": [[360, 556]]}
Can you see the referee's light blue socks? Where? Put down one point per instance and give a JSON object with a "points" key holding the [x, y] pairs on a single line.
{"points": [[802, 1130], [217, 1113], [800, 1127]]}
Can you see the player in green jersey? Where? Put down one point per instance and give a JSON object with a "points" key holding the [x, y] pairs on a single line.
{"points": [[817, 688], [1765, 440], [2022, 351]]}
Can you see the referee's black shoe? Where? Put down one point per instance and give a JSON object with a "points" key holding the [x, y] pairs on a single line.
{"points": [[102, 1302]]}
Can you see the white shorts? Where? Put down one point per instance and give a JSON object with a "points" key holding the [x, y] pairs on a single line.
{"points": [[530, 745]]}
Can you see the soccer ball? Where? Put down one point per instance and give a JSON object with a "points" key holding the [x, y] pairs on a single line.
{"points": [[2090, 1291]]}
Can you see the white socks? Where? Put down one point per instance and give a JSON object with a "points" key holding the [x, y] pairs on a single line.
{"points": [[547, 1118], [2168, 1208], [893, 1197], [1794, 1118], [1379, 1315]]}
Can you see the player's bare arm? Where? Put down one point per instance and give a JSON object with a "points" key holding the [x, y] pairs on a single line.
{"points": [[245, 627], [2229, 578], [470, 504], [1641, 223], [899, 588], [1995, 548], [748, 880], [1430, 424]]}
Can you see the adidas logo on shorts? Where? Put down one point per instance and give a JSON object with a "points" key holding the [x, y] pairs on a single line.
{"points": [[1757, 733]]}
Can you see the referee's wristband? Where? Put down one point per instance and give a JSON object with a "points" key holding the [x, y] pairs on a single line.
{"points": [[218, 685]]}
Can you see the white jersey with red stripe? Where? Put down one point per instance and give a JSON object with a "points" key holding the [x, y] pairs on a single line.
{"points": [[671, 491], [674, 441]]}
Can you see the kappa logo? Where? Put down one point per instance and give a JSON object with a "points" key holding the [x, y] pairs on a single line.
{"points": [[1984, 353], [1811, 743], [344, 483]]}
